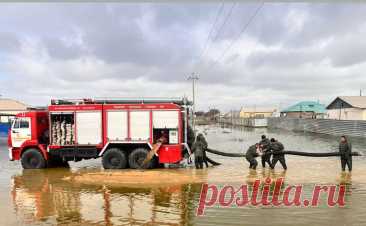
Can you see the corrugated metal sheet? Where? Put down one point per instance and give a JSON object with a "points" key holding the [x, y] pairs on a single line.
{"points": [[324, 126]]}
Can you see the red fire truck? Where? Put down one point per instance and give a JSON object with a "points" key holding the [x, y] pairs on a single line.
{"points": [[121, 131]]}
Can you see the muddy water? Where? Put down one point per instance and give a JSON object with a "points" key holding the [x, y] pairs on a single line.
{"points": [[87, 195]]}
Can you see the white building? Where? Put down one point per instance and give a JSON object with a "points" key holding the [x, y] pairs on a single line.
{"points": [[347, 108], [9, 108]]}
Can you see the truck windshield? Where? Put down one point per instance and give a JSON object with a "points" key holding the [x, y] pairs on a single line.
{"points": [[24, 123], [16, 123], [20, 123]]}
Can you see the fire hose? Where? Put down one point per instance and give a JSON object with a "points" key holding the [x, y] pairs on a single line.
{"points": [[299, 153], [212, 161]]}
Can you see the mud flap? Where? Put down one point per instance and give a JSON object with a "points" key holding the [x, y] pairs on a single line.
{"points": [[151, 153]]}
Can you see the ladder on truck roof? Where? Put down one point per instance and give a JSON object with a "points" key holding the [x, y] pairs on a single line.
{"points": [[116, 100]]}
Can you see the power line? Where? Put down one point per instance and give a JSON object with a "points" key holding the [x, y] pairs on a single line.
{"points": [[219, 11], [225, 21], [218, 31], [237, 38]]}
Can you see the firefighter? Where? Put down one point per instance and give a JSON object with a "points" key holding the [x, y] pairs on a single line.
{"points": [[198, 149], [163, 139], [265, 146], [202, 139], [345, 148], [276, 148], [190, 140], [190, 136], [253, 152]]}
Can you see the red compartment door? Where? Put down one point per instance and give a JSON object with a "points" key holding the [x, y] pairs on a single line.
{"points": [[170, 153]]}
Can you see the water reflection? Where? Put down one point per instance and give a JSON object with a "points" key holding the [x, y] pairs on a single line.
{"points": [[345, 178], [43, 196]]}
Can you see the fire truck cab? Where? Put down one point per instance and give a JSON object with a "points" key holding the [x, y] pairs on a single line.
{"points": [[121, 131]]}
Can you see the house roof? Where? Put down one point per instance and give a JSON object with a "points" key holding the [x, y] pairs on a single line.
{"points": [[354, 101], [306, 106], [11, 105], [257, 109]]}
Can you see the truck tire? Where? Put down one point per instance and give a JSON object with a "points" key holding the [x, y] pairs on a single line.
{"points": [[137, 157], [33, 159], [114, 158]]}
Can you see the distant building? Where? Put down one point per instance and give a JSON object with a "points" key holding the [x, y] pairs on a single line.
{"points": [[256, 112], [305, 109], [347, 108], [232, 114], [9, 108]]}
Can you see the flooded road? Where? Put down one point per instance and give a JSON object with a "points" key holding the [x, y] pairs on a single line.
{"points": [[170, 196]]}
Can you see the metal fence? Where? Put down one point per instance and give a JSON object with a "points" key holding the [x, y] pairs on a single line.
{"points": [[324, 126], [249, 122]]}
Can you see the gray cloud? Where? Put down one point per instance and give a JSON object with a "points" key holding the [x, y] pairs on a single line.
{"points": [[348, 51], [284, 58], [9, 42], [290, 52]]}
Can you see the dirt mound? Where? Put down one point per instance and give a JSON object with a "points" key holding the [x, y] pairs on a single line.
{"points": [[140, 178]]}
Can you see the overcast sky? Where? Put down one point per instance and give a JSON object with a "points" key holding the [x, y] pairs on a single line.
{"points": [[288, 53]]}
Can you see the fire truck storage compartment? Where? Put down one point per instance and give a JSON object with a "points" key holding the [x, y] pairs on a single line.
{"points": [[117, 125], [140, 125], [168, 122], [62, 128], [89, 127]]}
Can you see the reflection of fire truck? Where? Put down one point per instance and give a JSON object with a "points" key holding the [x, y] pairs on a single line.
{"points": [[122, 132], [43, 197]]}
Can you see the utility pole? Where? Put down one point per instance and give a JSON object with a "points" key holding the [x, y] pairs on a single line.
{"points": [[194, 78]]}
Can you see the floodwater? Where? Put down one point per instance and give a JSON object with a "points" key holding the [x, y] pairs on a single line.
{"points": [[85, 194]]}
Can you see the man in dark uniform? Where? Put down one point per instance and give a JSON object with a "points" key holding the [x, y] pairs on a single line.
{"points": [[191, 135], [345, 148], [202, 139], [198, 149], [265, 146], [277, 147], [251, 154], [163, 138]]}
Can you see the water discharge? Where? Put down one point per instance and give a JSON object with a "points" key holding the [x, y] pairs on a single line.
{"points": [[86, 194]]}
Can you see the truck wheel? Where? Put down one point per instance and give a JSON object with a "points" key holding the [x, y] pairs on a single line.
{"points": [[33, 159], [114, 158], [137, 158]]}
